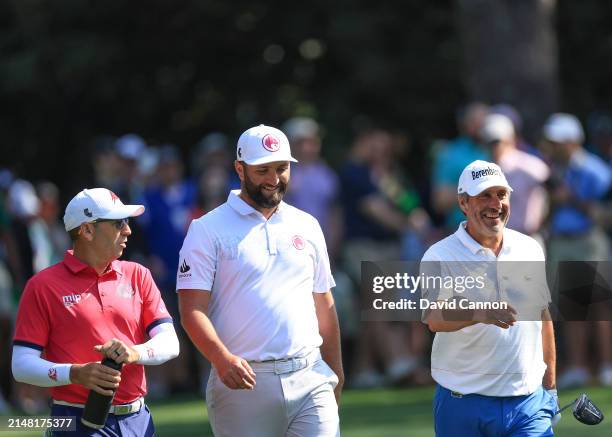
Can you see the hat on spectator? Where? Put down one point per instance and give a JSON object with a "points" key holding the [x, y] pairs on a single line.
{"points": [[511, 112], [263, 144], [563, 128], [497, 127], [97, 203], [22, 199], [298, 128], [130, 146], [479, 176], [213, 142]]}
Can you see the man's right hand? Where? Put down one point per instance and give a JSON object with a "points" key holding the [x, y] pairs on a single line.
{"points": [[502, 318], [96, 377], [235, 372]]}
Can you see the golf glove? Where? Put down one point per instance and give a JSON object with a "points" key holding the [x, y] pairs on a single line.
{"points": [[557, 417]]}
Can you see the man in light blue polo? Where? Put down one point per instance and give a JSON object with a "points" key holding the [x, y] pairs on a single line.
{"points": [[495, 375]]}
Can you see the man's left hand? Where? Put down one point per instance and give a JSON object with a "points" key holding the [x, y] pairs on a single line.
{"points": [[118, 351]]}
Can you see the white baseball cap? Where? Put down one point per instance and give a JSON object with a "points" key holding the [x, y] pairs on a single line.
{"points": [[497, 127], [263, 144], [563, 128], [479, 176], [97, 203]]}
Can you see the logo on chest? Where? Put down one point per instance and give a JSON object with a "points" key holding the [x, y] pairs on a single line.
{"points": [[298, 242], [125, 290], [71, 299]]}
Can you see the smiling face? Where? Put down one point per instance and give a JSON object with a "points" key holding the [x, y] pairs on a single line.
{"points": [[263, 186], [487, 214]]}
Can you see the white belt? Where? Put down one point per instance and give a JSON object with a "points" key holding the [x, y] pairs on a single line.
{"points": [[118, 410], [286, 365]]}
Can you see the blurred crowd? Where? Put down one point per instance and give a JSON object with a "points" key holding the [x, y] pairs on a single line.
{"points": [[369, 207]]}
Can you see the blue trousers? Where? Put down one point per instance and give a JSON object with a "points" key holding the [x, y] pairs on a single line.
{"points": [[139, 424], [473, 415]]}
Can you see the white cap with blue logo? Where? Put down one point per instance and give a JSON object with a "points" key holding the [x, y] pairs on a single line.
{"points": [[479, 176]]}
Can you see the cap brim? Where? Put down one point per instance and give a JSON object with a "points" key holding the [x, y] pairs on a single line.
{"points": [[485, 185], [268, 160], [124, 212]]}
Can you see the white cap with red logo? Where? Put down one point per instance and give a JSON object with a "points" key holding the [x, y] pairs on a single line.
{"points": [[262, 145], [97, 203]]}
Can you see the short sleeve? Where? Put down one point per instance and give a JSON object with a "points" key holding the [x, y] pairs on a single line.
{"points": [[323, 279], [197, 259], [154, 310], [33, 323]]}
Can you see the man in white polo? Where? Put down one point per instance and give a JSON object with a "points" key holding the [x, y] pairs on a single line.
{"points": [[254, 295], [495, 374]]}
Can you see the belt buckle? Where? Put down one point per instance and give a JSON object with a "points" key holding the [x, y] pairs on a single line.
{"points": [[278, 366], [123, 409], [128, 408], [300, 363]]}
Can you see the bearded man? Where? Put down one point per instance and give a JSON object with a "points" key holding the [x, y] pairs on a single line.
{"points": [[254, 296]]}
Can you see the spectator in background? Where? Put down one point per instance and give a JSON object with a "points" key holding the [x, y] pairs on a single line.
{"points": [[580, 180], [378, 211], [315, 186], [53, 240], [525, 172], [106, 164], [168, 201], [450, 159], [130, 149], [517, 122], [213, 172], [24, 206]]}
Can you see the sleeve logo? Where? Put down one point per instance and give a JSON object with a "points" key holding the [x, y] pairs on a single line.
{"points": [[53, 374], [184, 269]]}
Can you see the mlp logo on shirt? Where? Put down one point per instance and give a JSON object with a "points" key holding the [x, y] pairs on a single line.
{"points": [[71, 299]]}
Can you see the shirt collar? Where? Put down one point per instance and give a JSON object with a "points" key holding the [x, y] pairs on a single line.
{"points": [[467, 240], [473, 245], [75, 265], [241, 207]]}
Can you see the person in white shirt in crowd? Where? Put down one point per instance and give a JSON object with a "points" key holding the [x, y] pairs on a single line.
{"points": [[487, 362], [254, 296], [525, 172]]}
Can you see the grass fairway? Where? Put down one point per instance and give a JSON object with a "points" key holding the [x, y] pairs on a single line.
{"points": [[377, 413], [372, 413]]}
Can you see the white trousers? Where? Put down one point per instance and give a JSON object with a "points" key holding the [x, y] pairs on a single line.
{"points": [[293, 398]]}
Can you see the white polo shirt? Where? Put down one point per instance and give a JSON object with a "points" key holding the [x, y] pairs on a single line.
{"points": [[261, 275], [482, 358]]}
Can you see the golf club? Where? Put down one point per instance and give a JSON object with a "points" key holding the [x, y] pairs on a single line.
{"points": [[584, 410]]}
